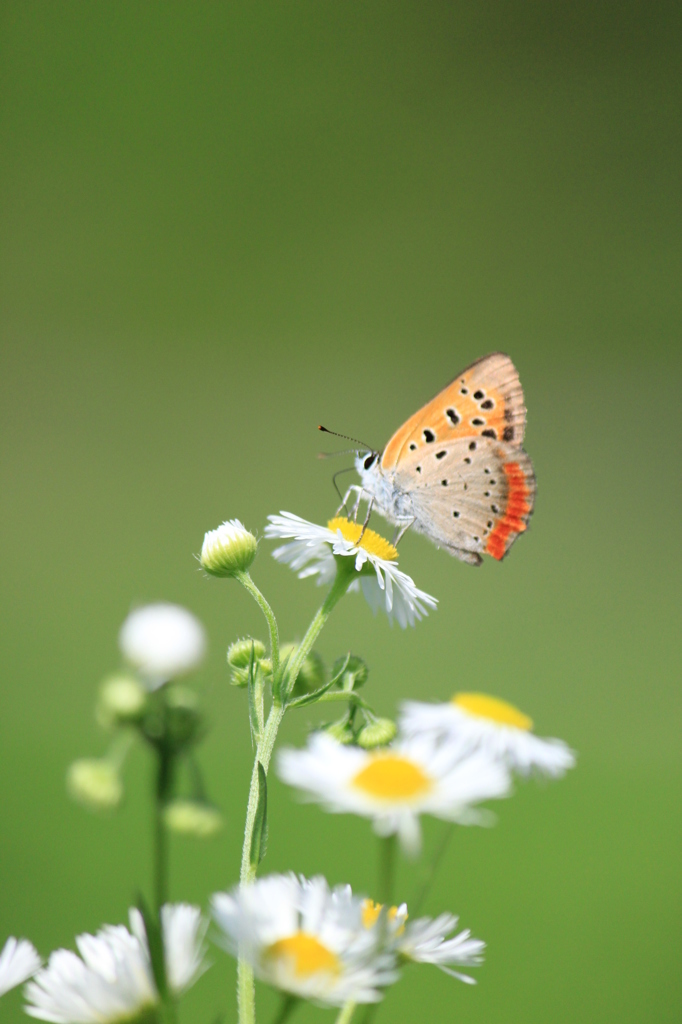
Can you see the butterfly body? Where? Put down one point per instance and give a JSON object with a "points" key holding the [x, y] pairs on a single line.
{"points": [[455, 471]]}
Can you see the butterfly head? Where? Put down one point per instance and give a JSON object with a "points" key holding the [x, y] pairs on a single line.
{"points": [[367, 464]]}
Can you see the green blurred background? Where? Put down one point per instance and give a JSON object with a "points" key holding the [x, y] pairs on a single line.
{"points": [[223, 224]]}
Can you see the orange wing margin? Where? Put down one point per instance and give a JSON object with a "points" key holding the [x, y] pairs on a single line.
{"points": [[486, 398], [518, 508]]}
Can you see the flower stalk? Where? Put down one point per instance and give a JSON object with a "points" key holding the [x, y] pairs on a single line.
{"points": [[282, 688]]}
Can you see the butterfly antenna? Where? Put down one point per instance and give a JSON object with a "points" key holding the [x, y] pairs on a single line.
{"points": [[347, 437], [331, 455]]}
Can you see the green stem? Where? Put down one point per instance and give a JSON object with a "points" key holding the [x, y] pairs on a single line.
{"points": [[387, 849], [263, 754], [246, 996], [345, 571], [289, 1003], [347, 1011], [164, 780], [246, 581], [418, 902], [164, 785], [336, 695], [370, 1012]]}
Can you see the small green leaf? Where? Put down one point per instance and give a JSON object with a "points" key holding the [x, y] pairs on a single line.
{"points": [[155, 942], [259, 839], [312, 698]]}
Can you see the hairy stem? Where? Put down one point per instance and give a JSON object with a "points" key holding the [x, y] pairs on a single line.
{"points": [[344, 577], [246, 997], [246, 581]]}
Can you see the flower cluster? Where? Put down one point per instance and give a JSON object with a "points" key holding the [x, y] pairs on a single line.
{"points": [[311, 941], [330, 945]]}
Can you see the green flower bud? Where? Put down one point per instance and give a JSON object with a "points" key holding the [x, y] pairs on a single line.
{"points": [[95, 783], [340, 731], [239, 653], [266, 666], [193, 818], [377, 733], [312, 674], [122, 701], [228, 550], [354, 675], [240, 677]]}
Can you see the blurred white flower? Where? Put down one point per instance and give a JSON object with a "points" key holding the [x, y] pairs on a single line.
{"points": [[229, 549], [475, 721], [18, 961], [112, 979], [312, 550], [395, 785], [425, 940], [162, 641], [303, 938]]}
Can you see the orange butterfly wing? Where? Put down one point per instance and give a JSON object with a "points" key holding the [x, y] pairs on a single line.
{"points": [[485, 399]]}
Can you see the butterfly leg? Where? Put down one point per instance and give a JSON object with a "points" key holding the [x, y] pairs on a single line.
{"points": [[356, 506], [400, 532], [364, 525], [353, 487]]}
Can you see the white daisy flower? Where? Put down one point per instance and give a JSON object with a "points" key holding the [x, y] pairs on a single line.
{"points": [[18, 961], [162, 641], [425, 940], [312, 551], [303, 938], [475, 721], [396, 784], [112, 978]]}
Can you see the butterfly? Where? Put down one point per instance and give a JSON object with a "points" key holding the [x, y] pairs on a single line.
{"points": [[456, 471]]}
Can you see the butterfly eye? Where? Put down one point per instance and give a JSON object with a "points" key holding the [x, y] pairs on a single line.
{"points": [[368, 461]]}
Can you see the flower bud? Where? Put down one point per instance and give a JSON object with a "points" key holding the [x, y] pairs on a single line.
{"points": [[354, 675], [228, 550], [239, 653], [240, 677], [162, 641], [122, 701], [95, 783], [340, 731], [193, 818], [312, 673], [377, 733]]}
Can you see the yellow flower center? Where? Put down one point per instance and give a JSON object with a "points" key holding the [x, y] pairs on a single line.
{"points": [[306, 954], [480, 705], [371, 911], [372, 542], [391, 777]]}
